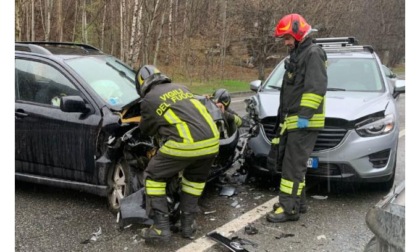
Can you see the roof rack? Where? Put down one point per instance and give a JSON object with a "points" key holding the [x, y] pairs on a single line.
{"points": [[341, 43], [340, 40], [48, 48]]}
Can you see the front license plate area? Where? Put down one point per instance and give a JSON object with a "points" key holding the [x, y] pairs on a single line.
{"points": [[312, 163]]}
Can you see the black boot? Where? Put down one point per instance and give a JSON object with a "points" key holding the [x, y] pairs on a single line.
{"points": [[188, 225], [159, 231], [279, 215]]}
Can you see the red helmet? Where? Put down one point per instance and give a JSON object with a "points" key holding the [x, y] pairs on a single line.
{"points": [[293, 24]]}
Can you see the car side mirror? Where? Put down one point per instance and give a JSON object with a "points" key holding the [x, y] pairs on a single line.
{"points": [[399, 88], [73, 104], [255, 85]]}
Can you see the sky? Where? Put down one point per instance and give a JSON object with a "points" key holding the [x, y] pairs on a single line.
{"points": [[412, 172]]}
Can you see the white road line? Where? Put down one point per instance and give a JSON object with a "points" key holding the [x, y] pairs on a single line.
{"points": [[229, 228], [239, 100], [402, 133], [235, 225]]}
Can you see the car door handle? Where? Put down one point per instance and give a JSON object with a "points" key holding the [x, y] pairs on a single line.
{"points": [[20, 113]]}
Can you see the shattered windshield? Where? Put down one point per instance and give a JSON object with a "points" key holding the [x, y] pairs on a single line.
{"points": [[344, 74], [111, 79]]}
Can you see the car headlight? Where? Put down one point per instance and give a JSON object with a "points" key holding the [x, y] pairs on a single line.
{"points": [[376, 126]]}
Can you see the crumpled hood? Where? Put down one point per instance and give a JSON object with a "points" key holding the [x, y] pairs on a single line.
{"points": [[346, 105]]}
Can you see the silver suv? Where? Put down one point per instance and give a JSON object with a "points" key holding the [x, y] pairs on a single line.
{"points": [[360, 138]]}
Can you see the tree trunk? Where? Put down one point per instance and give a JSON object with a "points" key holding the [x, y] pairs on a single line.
{"points": [[18, 16], [158, 39], [60, 20], [84, 23], [122, 29], [170, 36], [32, 20], [130, 56], [48, 7], [103, 27], [76, 8]]}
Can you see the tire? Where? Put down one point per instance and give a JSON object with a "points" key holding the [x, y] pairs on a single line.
{"points": [[122, 181]]}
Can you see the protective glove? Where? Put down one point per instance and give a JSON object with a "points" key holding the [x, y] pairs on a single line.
{"points": [[302, 123]]}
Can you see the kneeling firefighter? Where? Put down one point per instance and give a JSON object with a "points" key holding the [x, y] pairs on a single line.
{"points": [[191, 142]]}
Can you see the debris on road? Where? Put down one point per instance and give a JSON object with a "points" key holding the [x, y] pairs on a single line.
{"points": [[94, 237], [318, 197], [227, 191], [320, 237], [250, 229], [284, 235], [209, 212]]}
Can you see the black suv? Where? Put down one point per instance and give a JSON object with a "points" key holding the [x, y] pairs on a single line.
{"points": [[73, 104]]}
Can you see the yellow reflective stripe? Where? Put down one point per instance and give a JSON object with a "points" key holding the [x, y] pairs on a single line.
{"points": [[317, 121], [286, 186], [301, 186], [185, 150], [311, 100], [192, 188], [203, 111], [181, 126], [275, 140], [155, 188], [192, 146], [279, 210]]}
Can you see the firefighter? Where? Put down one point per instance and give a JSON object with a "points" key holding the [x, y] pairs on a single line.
{"points": [[301, 113], [222, 99], [191, 142]]}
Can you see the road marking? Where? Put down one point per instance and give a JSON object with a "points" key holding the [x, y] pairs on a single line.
{"points": [[231, 227], [239, 100], [402, 133]]}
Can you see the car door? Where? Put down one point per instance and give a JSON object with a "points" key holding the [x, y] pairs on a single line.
{"points": [[48, 141]]}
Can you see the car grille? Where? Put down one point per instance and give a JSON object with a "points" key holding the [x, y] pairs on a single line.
{"points": [[328, 138]]}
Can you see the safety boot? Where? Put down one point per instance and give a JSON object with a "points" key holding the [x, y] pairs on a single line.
{"points": [[159, 231], [188, 225], [279, 215], [303, 207]]}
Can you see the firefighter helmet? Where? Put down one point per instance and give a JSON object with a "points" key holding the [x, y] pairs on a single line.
{"points": [[146, 77], [293, 24], [222, 95]]}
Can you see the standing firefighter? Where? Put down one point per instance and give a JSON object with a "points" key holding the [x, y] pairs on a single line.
{"points": [[191, 142], [301, 113]]}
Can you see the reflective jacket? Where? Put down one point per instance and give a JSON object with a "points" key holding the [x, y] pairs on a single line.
{"points": [[304, 87], [184, 123]]}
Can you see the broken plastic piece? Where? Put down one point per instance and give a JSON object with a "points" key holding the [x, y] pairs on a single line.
{"points": [[227, 191], [318, 197], [231, 244], [283, 235], [131, 210], [209, 212], [251, 230]]}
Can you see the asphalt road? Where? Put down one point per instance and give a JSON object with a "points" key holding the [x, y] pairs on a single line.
{"points": [[51, 219]]}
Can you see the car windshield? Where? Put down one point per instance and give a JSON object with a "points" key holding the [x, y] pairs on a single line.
{"points": [[111, 79], [344, 74]]}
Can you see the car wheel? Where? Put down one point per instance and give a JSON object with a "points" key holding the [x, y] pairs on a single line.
{"points": [[123, 181]]}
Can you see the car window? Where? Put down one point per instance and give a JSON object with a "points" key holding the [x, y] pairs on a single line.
{"points": [[349, 74], [275, 79], [353, 74], [111, 79], [41, 83]]}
